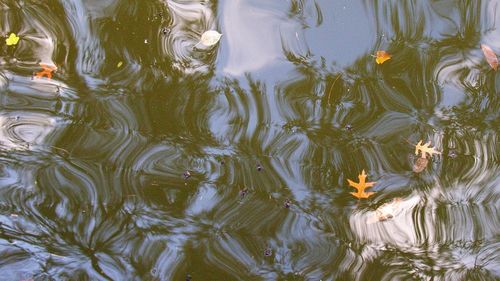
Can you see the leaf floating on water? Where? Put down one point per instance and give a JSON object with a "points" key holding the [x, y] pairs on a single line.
{"points": [[12, 39], [46, 71], [490, 56], [119, 64], [382, 56], [210, 38], [420, 165], [425, 149], [361, 186]]}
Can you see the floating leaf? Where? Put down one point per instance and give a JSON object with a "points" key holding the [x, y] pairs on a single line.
{"points": [[382, 56], [420, 165], [425, 149], [12, 40], [361, 186], [490, 56], [46, 71], [119, 64], [209, 38]]}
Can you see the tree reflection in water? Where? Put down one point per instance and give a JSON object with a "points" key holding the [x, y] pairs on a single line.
{"points": [[268, 124]]}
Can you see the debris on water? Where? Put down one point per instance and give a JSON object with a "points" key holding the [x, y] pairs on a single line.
{"points": [[186, 174], [348, 127], [12, 39], [268, 252], [46, 71], [188, 277], [420, 164], [259, 167], [288, 203], [243, 192], [452, 154], [209, 38]]}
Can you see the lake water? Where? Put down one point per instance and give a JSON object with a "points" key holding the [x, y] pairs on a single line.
{"points": [[148, 156]]}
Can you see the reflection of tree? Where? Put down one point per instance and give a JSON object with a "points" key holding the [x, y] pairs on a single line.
{"points": [[404, 99], [116, 205]]}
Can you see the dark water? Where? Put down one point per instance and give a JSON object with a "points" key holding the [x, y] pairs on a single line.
{"points": [[231, 162]]}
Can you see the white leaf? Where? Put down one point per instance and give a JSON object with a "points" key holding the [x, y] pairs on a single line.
{"points": [[209, 38]]}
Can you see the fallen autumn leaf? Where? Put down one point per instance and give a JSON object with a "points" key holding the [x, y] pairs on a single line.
{"points": [[46, 71], [490, 56], [361, 186], [425, 149], [382, 56], [12, 39]]}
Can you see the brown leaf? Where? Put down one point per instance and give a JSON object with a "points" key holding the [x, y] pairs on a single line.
{"points": [[361, 186], [420, 164], [490, 56]]}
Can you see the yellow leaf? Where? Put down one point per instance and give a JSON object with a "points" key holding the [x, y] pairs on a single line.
{"points": [[382, 56], [361, 186], [12, 40], [119, 64], [425, 149]]}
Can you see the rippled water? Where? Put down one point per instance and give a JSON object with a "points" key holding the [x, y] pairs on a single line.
{"points": [[145, 158]]}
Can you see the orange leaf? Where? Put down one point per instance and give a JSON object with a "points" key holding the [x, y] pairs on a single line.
{"points": [[361, 186], [490, 56], [46, 71], [382, 56]]}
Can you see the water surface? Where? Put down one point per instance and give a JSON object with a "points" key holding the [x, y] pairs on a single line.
{"points": [[145, 158]]}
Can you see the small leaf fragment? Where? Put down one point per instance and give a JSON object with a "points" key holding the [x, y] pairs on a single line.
{"points": [[382, 56], [119, 64], [490, 56], [420, 164], [361, 186], [12, 39], [210, 38]]}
